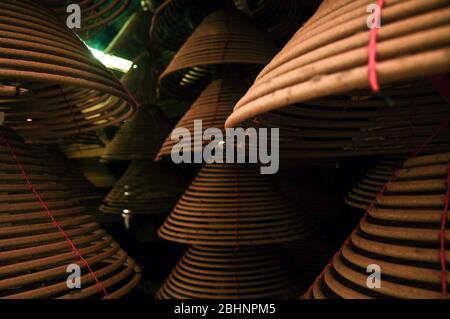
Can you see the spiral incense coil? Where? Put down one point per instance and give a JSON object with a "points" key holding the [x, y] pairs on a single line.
{"points": [[225, 37], [363, 194], [280, 19], [146, 188], [212, 107], [328, 55], [401, 234], [139, 138], [69, 91], [132, 37], [360, 124], [175, 20], [95, 14], [233, 204], [33, 253], [222, 273]]}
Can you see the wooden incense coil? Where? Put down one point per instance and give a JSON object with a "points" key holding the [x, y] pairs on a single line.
{"points": [[280, 19], [145, 188], [139, 138], [228, 204], [401, 234], [363, 194], [212, 107], [361, 124], [223, 273], [225, 37], [33, 253], [96, 14], [328, 55], [69, 91]]}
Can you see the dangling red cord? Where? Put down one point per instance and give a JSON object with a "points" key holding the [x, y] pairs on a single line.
{"points": [[372, 63], [50, 215]]}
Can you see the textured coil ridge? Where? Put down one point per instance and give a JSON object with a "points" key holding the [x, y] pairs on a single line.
{"points": [[363, 194], [33, 253], [66, 90], [224, 273], [232, 204], [225, 37], [280, 19], [401, 234], [95, 14], [361, 124], [139, 138], [328, 55], [212, 107], [145, 188]]}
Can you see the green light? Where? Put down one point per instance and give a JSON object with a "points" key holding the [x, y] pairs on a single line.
{"points": [[111, 61]]}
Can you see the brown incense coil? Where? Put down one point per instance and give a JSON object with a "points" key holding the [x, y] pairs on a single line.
{"points": [[145, 188], [223, 273], [401, 234], [328, 55], [132, 37], [87, 145], [140, 137], [361, 124], [212, 107], [225, 37], [69, 91], [280, 19], [309, 257], [230, 204], [95, 14], [363, 194], [175, 20], [33, 253]]}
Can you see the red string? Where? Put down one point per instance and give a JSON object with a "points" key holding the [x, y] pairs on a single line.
{"points": [[50, 215], [442, 237], [372, 63]]}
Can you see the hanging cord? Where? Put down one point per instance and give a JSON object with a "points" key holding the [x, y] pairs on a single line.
{"points": [[50, 215], [372, 63]]}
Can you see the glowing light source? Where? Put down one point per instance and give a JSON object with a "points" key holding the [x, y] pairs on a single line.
{"points": [[126, 211], [29, 120], [111, 61]]}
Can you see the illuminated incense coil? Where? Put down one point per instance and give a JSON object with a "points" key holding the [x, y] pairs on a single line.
{"points": [[33, 253], [69, 91], [96, 14], [363, 194], [359, 124], [229, 205], [221, 273], [145, 188], [212, 107], [401, 234], [224, 38], [328, 55], [139, 138]]}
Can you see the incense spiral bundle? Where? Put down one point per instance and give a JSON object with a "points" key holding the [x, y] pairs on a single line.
{"points": [[69, 92], [225, 37], [401, 234], [34, 254], [212, 107], [207, 272], [232, 204], [328, 55]]}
